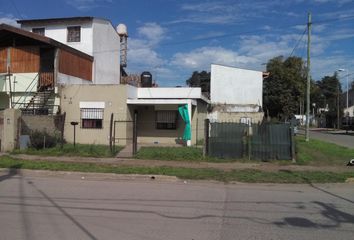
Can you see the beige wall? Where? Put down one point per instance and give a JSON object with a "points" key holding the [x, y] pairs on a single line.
{"points": [[146, 127], [42, 123], [198, 121], [10, 132], [114, 96]]}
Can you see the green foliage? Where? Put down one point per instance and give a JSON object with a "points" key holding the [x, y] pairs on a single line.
{"points": [[81, 150], [41, 140], [200, 79], [326, 93], [285, 86]]}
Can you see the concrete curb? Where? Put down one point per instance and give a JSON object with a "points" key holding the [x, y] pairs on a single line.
{"points": [[91, 176]]}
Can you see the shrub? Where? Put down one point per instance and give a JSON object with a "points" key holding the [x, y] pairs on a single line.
{"points": [[41, 140]]}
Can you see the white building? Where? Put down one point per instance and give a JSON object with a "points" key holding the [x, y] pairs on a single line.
{"points": [[236, 94], [93, 36]]}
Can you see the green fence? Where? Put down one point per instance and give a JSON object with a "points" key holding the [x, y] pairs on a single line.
{"points": [[262, 142], [227, 140]]}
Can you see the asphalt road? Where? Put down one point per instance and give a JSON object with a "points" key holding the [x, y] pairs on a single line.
{"points": [[55, 208], [337, 137]]}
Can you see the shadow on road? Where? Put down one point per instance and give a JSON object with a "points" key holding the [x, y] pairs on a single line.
{"points": [[65, 213], [329, 211], [13, 170]]}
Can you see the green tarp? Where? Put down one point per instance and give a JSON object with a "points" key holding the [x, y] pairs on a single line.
{"points": [[183, 110]]}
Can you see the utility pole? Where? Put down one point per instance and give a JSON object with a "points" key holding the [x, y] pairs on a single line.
{"points": [[338, 106], [308, 78]]}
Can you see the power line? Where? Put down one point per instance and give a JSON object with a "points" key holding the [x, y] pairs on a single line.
{"points": [[298, 42], [334, 19], [16, 9]]}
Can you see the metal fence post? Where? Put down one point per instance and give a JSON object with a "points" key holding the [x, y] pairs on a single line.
{"points": [[135, 135], [292, 143], [62, 127], [110, 133], [206, 137]]}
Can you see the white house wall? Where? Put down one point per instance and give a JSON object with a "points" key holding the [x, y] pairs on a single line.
{"points": [[58, 32], [67, 79], [166, 93], [106, 46], [231, 85]]}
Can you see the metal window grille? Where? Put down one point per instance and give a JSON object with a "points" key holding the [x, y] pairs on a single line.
{"points": [[39, 31], [166, 119], [74, 34], [91, 117]]}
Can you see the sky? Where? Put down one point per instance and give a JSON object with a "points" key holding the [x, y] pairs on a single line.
{"points": [[173, 38]]}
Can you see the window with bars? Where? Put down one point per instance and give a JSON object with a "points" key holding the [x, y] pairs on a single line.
{"points": [[91, 117], [40, 31], [166, 119], [74, 34]]}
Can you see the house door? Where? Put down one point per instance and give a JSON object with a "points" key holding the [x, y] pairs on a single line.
{"points": [[46, 73]]}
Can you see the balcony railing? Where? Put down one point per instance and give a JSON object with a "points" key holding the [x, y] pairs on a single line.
{"points": [[46, 80]]}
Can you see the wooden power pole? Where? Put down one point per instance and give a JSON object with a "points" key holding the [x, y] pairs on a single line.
{"points": [[308, 79]]}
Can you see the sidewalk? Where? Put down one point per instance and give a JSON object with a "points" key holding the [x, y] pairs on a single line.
{"points": [[118, 162]]}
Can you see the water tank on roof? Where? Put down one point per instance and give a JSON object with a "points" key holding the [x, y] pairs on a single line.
{"points": [[122, 30], [146, 79]]}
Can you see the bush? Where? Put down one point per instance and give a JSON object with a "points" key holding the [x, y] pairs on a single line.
{"points": [[41, 140]]}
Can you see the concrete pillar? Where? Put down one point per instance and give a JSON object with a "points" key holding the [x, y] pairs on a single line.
{"points": [[12, 126], [189, 142]]}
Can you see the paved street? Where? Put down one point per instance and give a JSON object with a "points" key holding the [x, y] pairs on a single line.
{"points": [[333, 137], [34, 207]]}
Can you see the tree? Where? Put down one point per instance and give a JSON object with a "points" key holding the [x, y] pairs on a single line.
{"points": [[200, 79], [328, 96], [285, 87]]}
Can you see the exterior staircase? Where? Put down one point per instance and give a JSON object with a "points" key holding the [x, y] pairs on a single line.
{"points": [[42, 103]]}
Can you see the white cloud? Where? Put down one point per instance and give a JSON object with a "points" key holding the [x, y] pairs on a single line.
{"points": [[152, 32], [142, 54], [327, 65], [84, 5], [9, 19], [340, 2], [201, 58]]}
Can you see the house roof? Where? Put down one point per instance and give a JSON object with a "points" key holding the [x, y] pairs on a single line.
{"points": [[55, 20], [11, 36]]}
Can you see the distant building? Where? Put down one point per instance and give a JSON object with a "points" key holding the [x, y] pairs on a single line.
{"points": [[350, 109]]}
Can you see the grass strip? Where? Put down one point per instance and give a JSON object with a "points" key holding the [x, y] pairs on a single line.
{"points": [[80, 150], [183, 154], [316, 152], [247, 175]]}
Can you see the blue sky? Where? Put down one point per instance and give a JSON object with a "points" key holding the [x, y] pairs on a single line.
{"points": [[173, 38]]}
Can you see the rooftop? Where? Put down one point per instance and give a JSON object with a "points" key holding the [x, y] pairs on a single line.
{"points": [[11, 36]]}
